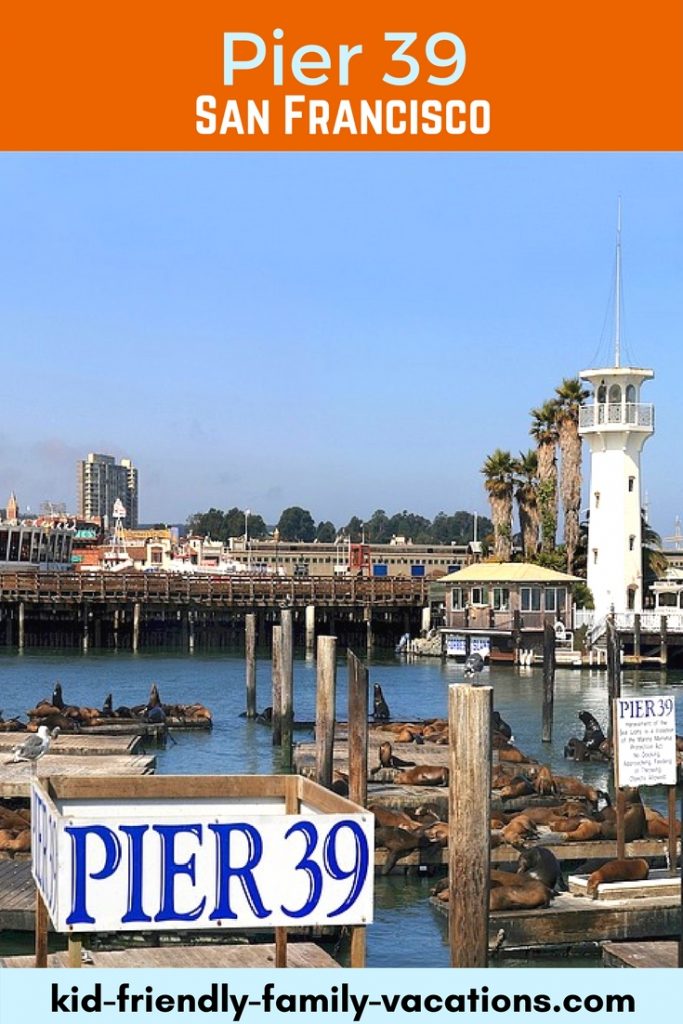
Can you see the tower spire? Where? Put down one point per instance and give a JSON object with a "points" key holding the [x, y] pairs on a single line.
{"points": [[617, 300]]}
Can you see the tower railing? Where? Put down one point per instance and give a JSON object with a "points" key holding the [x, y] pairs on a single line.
{"points": [[601, 414]]}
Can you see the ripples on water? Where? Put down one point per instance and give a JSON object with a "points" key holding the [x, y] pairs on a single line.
{"points": [[406, 932]]}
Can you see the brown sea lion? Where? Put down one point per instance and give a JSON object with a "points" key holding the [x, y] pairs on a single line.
{"points": [[527, 896], [423, 775], [438, 833], [585, 830], [635, 821], [568, 785], [519, 831], [544, 783], [541, 864], [399, 843], [380, 708], [388, 818], [517, 786], [630, 869], [387, 759], [513, 755], [658, 825]]}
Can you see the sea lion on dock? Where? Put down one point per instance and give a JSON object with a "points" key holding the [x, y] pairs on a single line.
{"points": [[386, 817], [635, 820], [658, 825], [629, 869], [517, 786], [541, 864], [519, 831], [423, 775], [399, 843], [387, 759], [569, 785], [500, 725], [380, 708], [584, 831], [544, 782], [526, 896]]}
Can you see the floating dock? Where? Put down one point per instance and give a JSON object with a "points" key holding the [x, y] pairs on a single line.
{"points": [[640, 954], [299, 954], [76, 743], [15, 779]]}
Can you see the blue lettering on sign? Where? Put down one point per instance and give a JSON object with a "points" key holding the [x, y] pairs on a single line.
{"points": [[112, 858], [225, 870], [319, 861], [170, 868]]}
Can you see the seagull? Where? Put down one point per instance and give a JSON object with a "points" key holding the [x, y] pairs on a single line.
{"points": [[33, 747], [474, 663]]}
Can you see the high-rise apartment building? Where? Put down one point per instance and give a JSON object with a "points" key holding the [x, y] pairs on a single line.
{"points": [[101, 480]]}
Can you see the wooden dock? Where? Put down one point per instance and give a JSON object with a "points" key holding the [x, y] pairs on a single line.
{"points": [[79, 743], [571, 920], [15, 779], [299, 954], [640, 954]]}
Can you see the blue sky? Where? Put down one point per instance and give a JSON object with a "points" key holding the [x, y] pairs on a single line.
{"points": [[344, 332]]}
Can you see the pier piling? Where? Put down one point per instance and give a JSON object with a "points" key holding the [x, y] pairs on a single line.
{"points": [[287, 709], [358, 729], [469, 722], [136, 626], [250, 654], [276, 699], [548, 681], [309, 620], [326, 681]]}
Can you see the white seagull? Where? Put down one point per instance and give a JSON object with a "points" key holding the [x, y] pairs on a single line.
{"points": [[33, 747]]}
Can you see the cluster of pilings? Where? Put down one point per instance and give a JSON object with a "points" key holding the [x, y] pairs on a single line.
{"points": [[137, 626]]}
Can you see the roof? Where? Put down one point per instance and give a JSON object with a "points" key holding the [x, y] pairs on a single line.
{"points": [[507, 572]]}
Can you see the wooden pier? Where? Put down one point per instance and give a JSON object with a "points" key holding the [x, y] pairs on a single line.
{"points": [[136, 610], [262, 954], [15, 779], [640, 954], [79, 744]]}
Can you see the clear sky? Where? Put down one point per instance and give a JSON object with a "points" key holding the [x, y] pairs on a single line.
{"points": [[343, 332]]}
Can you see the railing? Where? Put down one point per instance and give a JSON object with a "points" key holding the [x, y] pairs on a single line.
{"points": [[243, 589], [633, 414]]}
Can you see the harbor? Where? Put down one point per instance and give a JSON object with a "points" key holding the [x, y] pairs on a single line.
{"points": [[238, 745]]}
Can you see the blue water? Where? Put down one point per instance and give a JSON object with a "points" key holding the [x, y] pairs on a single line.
{"points": [[415, 689]]}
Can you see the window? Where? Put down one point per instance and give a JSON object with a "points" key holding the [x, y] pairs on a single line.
{"points": [[457, 603], [501, 599], [631, 542], [530, 599], [631, 598], [631, 482], [597, 499], [479, 595], [555, 598], [595, 556]]}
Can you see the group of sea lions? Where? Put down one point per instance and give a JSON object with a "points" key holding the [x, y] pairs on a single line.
{"points": [[15, 829], [55, 712], [595, 746]]}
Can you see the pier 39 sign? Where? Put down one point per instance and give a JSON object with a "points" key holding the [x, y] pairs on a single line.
{"points": [[645, 735], [183, 864]]}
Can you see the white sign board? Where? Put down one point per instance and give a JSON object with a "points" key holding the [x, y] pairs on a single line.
{"points": [[645, 737], [180, 865]]}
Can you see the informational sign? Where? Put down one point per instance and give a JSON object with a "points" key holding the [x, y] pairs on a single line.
{"points": [[645, 741], [186, 866]]}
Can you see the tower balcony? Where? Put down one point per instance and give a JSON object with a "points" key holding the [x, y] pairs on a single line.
{"points": [[617, 416]]}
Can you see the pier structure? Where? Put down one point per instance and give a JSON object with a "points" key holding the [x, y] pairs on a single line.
{"points": [[137, 610]]}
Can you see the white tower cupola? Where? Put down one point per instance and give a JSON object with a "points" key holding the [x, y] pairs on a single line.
{"points": [[616, 424]]}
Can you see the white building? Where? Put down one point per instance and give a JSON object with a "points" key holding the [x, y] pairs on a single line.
{"points": [[616, 425]]}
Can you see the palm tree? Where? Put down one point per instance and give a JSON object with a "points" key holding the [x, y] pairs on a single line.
{"points": [[544, 432], [498, 470], [570, 397], [655, 562], [526, 493]]}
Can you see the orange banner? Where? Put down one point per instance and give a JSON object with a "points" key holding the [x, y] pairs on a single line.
{"points": [[166, 75]]}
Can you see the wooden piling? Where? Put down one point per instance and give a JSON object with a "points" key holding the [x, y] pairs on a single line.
{"points": [[636, 637], [672, 838], [190, 626], [548, 681], [326, 681], [358, 729], [276, 699], [41, 926], [136, 626], [287, 642], [621, 824], [84, 623], [469, 722], [250, 655], [613, 665], [22, 633], [309, 625], [663, 642], [116, 629]]}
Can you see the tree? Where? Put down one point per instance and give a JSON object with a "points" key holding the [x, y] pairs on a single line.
{"points": [[655, 563], [526, 493], [571, 396], [411, 526], [544, 431], [354, 529], [222, 526], [498, 470], [326, 532], [377, 528], [296, 524]]}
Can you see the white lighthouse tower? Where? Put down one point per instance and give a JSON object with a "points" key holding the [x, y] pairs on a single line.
{"points": [[616, 425]]}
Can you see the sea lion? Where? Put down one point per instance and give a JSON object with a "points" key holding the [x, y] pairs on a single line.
{"points": [[630, 869], [635, 821], [517, 786], [527, 896], [423, 775], [569, 785], [593, 735], [519, 831], [513, 755], [380, 708], [387, 759], [544, 783], [658, 825], [540, 863], [585, 830], [500, 725], [388, 818], [398, 842], [438, 833]]}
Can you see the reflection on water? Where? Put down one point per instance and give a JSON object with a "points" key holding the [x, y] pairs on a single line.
{"points": [[407, 932]]}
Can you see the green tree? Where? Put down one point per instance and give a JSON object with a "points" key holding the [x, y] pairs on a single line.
{"points": [[354, 529], [544, 431], [296, 524], [498, 471], [326, 532], [571, 395], [377, 528], [526, 493]]}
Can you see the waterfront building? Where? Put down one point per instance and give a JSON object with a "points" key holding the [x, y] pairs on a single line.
{"points": [[40, 544], [101, 481]]}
